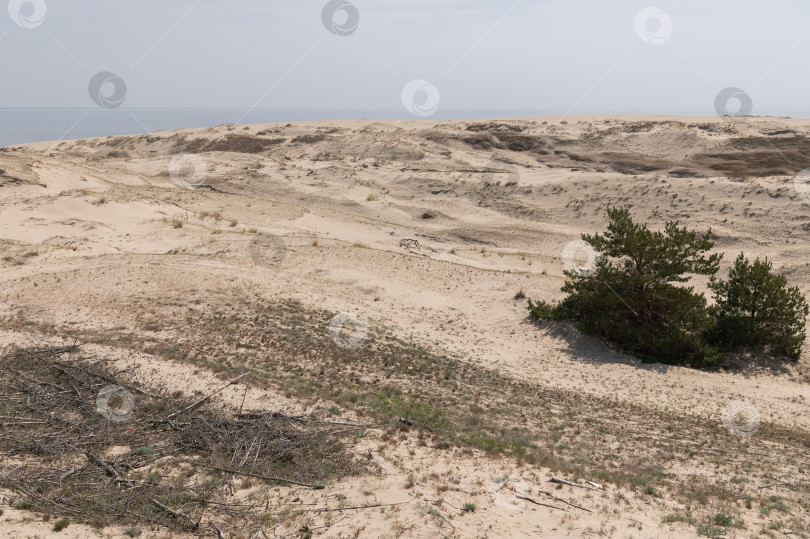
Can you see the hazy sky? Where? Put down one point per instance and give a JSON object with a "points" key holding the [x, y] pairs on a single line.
{"points": [[530, 55]]}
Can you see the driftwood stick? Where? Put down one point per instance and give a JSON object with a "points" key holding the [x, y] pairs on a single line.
{"points": [[780, 482], [176, 514], [257, 476], [570, 484], [520, 496], [244, 397], [535, 502], [202, 400], [219, 532], [325, 509], [563, 501]]}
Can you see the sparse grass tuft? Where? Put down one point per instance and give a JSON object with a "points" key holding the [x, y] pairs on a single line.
{"points": [[669, 519], [708, 530], [61, 524]]}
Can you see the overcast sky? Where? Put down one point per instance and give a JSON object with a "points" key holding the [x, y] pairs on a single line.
{"points": [[494, 55]]}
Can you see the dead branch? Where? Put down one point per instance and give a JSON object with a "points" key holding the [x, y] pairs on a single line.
{"points": [[570, 484], [328, 509], [522, 497], [257, 476], [535, 502], [197, 403], [176, 514], [563, 501]]}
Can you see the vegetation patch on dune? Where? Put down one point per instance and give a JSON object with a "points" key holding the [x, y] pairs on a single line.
{"points": [[635, 296], [85, 442], [448, 399]]}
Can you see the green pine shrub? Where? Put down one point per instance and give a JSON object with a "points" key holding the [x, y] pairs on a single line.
{"points": [[635, 299], [756, 309]]}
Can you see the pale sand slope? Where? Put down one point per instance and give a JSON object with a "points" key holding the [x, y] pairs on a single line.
{"points": [[86, 226]]}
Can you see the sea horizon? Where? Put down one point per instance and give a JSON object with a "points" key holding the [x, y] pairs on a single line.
{"points": [[23, 125]]}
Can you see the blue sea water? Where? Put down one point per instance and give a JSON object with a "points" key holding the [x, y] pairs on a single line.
{"points": [[18, 126]]}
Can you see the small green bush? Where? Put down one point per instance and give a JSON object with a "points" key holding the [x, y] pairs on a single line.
{"points": [[722, 519], [650, 491], [542, 310], [61, 524], [728, 521], [755, 308], [633, 297]]}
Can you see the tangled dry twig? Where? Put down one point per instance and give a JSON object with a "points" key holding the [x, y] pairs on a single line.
{"points": [[164, 461]]}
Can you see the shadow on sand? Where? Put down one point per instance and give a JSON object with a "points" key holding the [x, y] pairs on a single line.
{"points": [[592, 351]]}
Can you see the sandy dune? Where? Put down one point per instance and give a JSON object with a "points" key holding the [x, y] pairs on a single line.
{"points": [[152, 236]]}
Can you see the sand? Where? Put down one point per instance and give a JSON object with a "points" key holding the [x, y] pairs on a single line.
{"points": [[88, 227]]}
